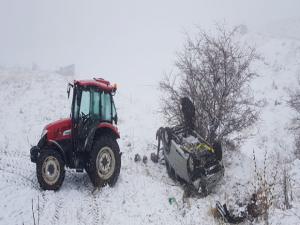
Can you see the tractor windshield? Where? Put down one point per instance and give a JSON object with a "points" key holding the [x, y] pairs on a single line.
{"points": [[96, 104]]}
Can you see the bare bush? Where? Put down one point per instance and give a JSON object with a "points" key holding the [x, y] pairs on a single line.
{"points": [[214, 72], [263, 195]]}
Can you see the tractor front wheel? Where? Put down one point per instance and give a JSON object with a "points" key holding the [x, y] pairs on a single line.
{"points": [[50, 169], [105, 162]]}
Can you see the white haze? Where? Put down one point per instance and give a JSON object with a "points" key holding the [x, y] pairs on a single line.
{"points": [[119, 40]]}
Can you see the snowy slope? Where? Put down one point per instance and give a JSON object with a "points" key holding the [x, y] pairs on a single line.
{"points": [[31, 99]]}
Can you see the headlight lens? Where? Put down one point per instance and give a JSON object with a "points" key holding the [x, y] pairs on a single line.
{"points": [[44, 132]]}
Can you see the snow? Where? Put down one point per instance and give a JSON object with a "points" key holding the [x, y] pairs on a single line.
{"points": [[30, 99]]}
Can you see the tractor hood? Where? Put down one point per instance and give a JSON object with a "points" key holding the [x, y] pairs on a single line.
{"points": [[60, 129]]}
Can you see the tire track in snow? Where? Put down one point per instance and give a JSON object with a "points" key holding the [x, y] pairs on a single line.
{"points": [[80, 212], [16, 161], [14, 154], [42, 198], [84, 206], [51, 208], [90, 203], [12, 165], [95, 210], [16, 179], [58, 208]]}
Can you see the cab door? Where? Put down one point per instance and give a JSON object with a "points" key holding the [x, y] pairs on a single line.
{"points": [[86, 118]]}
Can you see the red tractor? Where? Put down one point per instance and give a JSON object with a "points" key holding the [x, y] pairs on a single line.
{"points": [[85, 141]]}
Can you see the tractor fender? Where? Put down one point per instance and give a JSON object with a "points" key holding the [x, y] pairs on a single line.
{"points": [[102, 129], [110, 127], [58, 148], [44, 141]]}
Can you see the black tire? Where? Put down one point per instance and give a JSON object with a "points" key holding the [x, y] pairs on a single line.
{"points": [[218, 150], [106, 146], [50, 161]]}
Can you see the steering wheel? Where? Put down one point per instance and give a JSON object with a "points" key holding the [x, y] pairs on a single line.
{"points": [[84, 118]]}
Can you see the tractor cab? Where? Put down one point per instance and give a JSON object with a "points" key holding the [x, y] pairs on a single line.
{"points": [[85, 141], [92, 108]]}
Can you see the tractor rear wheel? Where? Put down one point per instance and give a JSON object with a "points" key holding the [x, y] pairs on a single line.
{"points": [[104, 162], [50, 169]]}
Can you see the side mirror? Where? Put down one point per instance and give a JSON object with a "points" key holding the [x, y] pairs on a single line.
{"points": [[69, 89]]}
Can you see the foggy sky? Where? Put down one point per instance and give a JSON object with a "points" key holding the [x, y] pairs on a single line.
{"points": [[118, 39]]}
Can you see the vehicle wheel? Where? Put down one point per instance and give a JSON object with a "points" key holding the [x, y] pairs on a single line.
{"points": [[105, 162], [218, 150], [50, 169]]}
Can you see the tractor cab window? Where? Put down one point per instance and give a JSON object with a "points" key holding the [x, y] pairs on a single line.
{"points": [[114, 111], [95, 104], [106, 107], [76, 109], [85, 103]]}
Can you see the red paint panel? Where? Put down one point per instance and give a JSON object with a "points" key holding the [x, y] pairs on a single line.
{"points": [[56, 129]]}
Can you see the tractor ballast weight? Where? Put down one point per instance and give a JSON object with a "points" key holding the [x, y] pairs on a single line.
{"points": [[85, 141]]}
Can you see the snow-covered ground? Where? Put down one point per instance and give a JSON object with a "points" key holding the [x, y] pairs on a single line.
{"points": [[31, 99]]}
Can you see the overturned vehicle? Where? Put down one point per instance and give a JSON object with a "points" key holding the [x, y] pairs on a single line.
{"points": [[189, 157]]}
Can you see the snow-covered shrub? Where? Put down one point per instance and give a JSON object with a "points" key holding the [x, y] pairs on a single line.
{"points": [[286, 188], [294, 102], [214, 71]]}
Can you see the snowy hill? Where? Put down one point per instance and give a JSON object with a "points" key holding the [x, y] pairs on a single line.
{"points": [[32, 99]]}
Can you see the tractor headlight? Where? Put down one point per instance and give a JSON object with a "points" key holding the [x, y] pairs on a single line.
{"points": [[44, 132]]}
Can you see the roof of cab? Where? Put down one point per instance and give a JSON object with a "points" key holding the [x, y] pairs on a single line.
{"points": [[97, 82]]}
